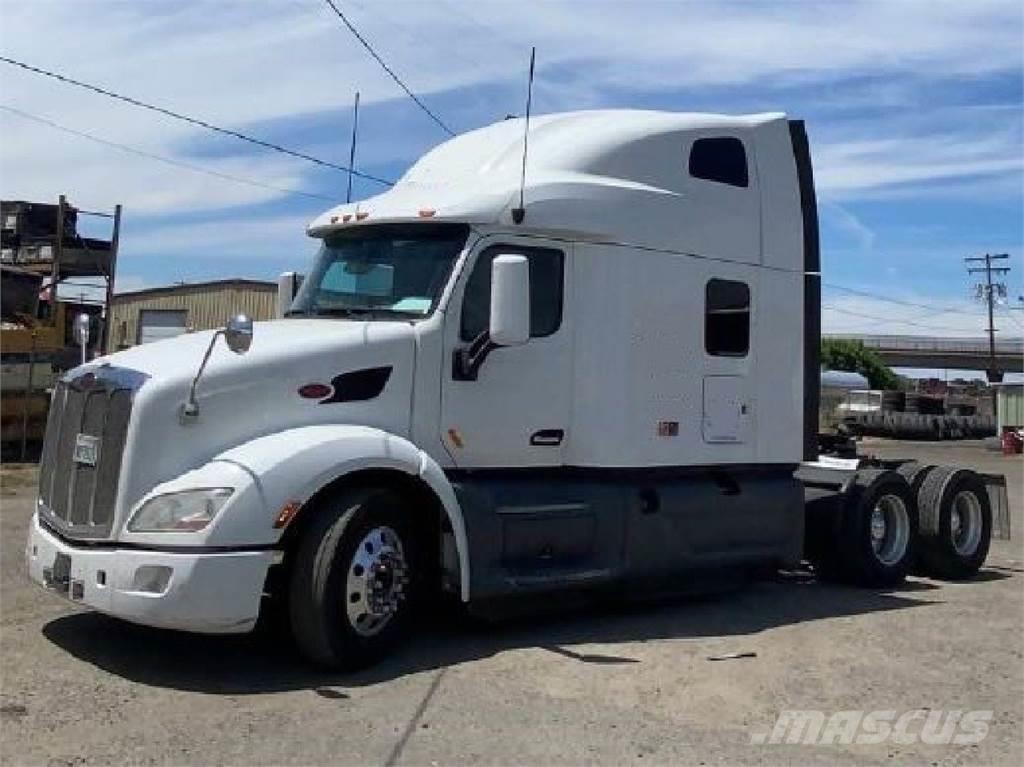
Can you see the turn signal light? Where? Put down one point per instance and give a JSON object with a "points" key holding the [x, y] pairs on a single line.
{"points": [[288, 511]]}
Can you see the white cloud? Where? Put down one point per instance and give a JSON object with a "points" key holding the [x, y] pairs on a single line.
{"points": [[239, 63], [246, 238], [932, 317], [843, 168], [235, 63]]}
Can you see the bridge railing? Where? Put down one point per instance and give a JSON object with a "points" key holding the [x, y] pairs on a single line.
{"points": [[934, 344]]}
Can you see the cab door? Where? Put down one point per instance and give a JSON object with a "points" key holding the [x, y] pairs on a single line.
{"points": [[512, 410]]}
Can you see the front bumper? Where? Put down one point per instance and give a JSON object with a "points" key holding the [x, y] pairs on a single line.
{"points": [[206, 592]]}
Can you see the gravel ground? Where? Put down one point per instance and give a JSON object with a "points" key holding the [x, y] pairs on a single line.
{"points": [[609, 686]]}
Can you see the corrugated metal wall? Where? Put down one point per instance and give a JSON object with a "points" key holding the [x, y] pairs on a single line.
{"points": [[1010, 406], [207, 306]]}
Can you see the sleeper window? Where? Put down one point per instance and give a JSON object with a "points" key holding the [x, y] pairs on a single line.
{"points": [[727, 318], [720, 159], [546, 280]]}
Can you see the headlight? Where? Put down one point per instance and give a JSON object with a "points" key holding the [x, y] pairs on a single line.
{"points": [[179, 512]]}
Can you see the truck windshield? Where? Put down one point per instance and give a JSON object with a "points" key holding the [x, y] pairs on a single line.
{"points": [[386, 271]]}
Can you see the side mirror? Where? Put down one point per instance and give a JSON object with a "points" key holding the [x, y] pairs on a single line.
{"points": [[510, 301], [82, 333], [238, 334], [287, 288], [82, 329]]}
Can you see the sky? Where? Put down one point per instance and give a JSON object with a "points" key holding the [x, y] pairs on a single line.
{"points": [[915, 112]]}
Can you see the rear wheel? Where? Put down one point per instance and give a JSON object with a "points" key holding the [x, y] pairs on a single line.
{"points": [[956, 523], [878, 528], [352, 581], [915, 474]]}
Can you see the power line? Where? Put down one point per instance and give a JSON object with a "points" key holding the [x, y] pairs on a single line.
{"points": [[891, 319], [899, 302], [389, 70], [191, 120], [159, 158]]}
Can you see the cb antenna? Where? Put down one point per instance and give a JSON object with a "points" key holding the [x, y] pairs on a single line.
{"points": [[352, 149], [518, 214]]}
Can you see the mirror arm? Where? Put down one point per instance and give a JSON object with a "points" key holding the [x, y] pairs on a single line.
{"points": [[468, 359], [190, 408]]}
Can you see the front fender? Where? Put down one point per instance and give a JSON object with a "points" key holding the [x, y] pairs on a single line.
{"points": [[291, 466]]}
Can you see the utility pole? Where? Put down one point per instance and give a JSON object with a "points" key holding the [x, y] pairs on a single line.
{"points": [[989, 292], [988, 289]]}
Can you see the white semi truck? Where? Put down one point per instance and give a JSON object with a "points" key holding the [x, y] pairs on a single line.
{"points": [[491, 383]]}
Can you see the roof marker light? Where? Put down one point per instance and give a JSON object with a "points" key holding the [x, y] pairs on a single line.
{"points": [[361, 215], [346, 218], [427, 212], [334, 219]]}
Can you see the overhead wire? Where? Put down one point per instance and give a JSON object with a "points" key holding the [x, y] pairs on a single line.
{"points": [[897, 320], [160, 158], [897, 301], [195, 121], [384, 65]]}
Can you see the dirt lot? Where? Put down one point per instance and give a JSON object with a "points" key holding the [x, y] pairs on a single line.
{"points": [[606, 686]]}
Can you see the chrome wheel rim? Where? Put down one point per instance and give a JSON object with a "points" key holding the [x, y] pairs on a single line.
{"points": [[890, 529], [376, 583], [965, 523]]}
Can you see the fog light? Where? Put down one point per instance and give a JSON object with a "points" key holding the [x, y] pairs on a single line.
{"points": [[152, 579]]}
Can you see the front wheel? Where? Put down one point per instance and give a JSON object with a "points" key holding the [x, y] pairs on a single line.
{"points": [[352, 581]]}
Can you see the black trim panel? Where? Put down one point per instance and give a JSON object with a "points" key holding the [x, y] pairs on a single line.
{"points": [[616, 473], [358, 385], [812, 287], [539, 529]]}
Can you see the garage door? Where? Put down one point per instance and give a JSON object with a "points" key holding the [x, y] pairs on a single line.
{"points": [[155, 324]]}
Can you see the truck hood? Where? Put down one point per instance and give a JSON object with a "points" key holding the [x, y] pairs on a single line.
{"points": [[245, 396], [275, 344]]}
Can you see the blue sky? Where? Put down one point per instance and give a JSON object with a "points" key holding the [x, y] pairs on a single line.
{"points": [[914, 110]]}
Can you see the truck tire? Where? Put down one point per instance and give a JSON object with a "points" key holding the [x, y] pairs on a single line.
{"points": [[956, 523], [878, 530], [352, 583], [915, 474]]}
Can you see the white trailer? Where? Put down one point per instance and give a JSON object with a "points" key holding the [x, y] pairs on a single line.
{"points": [[606, 375]]}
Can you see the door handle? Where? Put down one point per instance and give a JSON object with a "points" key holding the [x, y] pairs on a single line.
{"points": [[547, 437]]}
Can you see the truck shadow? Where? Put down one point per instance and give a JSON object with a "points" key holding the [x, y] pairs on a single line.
{"points": [[266, 661]]}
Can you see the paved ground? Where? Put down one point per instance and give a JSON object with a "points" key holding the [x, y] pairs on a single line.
{"points": [[606, 686]]}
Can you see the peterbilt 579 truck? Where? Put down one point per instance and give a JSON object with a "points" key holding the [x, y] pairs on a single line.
{"points": [[597, 372]]}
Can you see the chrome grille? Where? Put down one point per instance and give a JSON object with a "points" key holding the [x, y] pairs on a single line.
{"points": [[78, 498]]}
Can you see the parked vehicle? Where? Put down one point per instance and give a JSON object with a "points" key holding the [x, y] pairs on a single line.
{"points": [[606, 375]]}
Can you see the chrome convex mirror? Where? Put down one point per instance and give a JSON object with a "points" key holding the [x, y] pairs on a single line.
{"points": [[238, 333], [238, 337]]}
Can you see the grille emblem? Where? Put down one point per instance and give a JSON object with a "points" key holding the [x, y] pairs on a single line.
{"points": [[87, 449]]}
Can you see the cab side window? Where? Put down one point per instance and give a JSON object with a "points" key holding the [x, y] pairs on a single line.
{"points": [[546, 285], [726, 318], [722, 159]]}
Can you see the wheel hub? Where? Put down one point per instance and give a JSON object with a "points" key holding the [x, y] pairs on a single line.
{"points": [[890, 529], [376, 582], [965, 523]]}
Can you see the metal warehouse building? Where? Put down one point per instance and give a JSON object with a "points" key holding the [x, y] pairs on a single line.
{"points": [[1010, 406], [155, 313]]}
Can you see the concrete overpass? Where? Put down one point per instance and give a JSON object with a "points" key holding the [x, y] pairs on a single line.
{"points": [[944, 353]]}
